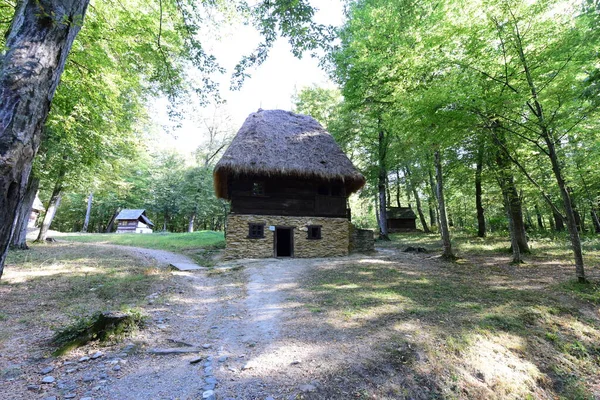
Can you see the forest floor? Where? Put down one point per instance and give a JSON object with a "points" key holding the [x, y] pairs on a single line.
{"points": [[389, 325]]}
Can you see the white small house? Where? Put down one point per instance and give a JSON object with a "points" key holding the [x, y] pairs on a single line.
{"points": [[133, 221]]}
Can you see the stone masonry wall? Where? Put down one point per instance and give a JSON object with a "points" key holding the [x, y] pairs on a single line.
{"points": [[333, 242]]}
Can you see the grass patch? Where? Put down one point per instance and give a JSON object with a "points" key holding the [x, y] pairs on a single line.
{"points": [[52, 286], [463, 324], [585, 291], [200, 246], [97, 327]]}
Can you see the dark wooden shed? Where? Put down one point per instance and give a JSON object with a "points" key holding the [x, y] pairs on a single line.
{"points": [[401, 219]]}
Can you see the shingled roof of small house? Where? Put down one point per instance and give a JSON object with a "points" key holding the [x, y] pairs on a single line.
{"points": [[281, 143], [131, 214], [401, 213]]}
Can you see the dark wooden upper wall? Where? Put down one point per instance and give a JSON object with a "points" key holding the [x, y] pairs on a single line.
{"points": [[285, 196]]}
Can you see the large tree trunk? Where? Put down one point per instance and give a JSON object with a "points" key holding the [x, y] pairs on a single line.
{"points": [[509, 189], [478, 194], [37, 44], [53, 205], [447, 254], [88, 212], [381, 179], [19, 238], [514, 241]]}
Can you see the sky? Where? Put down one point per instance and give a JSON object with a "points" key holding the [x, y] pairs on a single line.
{"points": [[271, 85]]}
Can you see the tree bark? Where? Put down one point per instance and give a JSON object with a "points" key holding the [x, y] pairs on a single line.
{"points": [[509, 189], [111, 223], [190, 227], [417, 200], [19, 238], [595, 220], [447, 254], [514, 241], [538, 215], [50, 211], [478, 194], [88, 212], [398, 188], [434, 194], [559, 225], [37, 44], [568, 207], [381, 179]]}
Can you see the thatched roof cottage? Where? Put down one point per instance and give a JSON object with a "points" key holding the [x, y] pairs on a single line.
{"points": [[288, 182]]}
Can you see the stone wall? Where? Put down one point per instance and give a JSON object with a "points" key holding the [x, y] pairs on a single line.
{"points": [[334, 236], [361, 240]]}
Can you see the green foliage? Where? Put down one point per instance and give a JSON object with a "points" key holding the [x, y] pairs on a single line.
{"points": [[96, 327]]}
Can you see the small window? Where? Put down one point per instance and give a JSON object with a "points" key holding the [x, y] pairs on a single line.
{"points": [[256, 231], [258, 189], [323, 190], [314, 232]]}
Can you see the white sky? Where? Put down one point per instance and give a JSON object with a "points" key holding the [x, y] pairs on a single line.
{"points": [[270, 86]]}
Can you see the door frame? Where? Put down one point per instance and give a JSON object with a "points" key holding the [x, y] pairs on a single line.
{"points": [[291, 229]]}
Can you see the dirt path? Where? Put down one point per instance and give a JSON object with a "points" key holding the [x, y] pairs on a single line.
{"points": [[234, 316]]}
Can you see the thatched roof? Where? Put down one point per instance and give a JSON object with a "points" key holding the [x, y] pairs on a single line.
{"points": [[401, 213], [129, 214], [281, 143]]}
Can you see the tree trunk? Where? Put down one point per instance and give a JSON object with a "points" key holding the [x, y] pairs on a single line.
{"points": [[447, 254], [19, 238], [191, 220], [382, 175], [377, 212], [595, 220], [559, 225], [432, 219], [36, 48], [50, 211], [398, 188], [507, 184], [478, 194], [568, 207], [514, 241], [538, 216], [417, 200], [434, 194], [88, 211], [111, 223], [544, 132]]}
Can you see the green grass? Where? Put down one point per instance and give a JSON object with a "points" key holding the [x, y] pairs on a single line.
{"points": [[200, 245], [161, 241]]}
